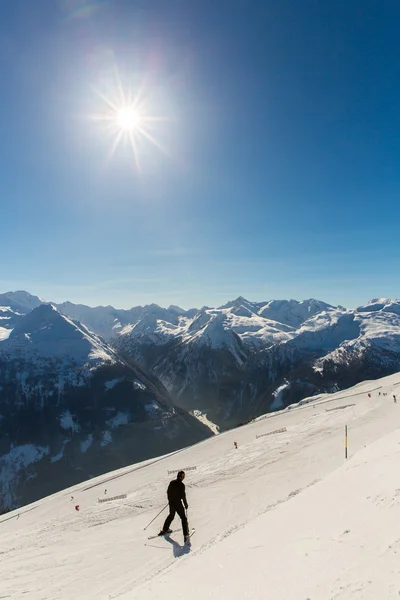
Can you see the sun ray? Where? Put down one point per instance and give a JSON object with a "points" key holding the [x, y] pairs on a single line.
{"points": [[157, 119], [119, 87], [102, 117], [127, 118], [151, 139], [116, 143], [135, 151], [139, 94], [110, 103]]}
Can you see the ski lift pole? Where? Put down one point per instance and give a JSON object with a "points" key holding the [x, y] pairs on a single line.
{"points": [[156, 517]]}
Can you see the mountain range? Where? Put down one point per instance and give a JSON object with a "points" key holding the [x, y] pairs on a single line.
{"points": [[85, 390]]}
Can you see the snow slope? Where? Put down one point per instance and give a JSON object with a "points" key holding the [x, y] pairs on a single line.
{"points": [[283, 517]]}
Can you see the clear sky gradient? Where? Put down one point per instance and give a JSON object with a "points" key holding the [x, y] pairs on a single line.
{"points": [[273, 172]]}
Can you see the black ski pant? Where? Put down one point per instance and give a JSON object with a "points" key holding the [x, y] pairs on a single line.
{"points": [[178, 508]]}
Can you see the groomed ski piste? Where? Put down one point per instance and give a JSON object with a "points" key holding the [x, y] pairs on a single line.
{"points": [[285, 516]]}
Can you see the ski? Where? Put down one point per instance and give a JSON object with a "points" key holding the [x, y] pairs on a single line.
{"points": [[153, 537]]}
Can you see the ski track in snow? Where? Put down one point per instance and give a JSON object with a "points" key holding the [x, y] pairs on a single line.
{"points": [[284, 485]]}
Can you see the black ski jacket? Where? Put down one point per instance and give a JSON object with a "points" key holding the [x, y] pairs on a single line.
{"points": [[176, 493]]}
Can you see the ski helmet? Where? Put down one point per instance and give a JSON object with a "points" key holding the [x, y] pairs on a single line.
{"points": [[181, 475]]}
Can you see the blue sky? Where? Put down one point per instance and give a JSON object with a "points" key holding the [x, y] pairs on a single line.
{"points": [[279, 171]]}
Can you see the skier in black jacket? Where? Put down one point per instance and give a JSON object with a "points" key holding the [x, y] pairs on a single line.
{"points": [[176, 495]]}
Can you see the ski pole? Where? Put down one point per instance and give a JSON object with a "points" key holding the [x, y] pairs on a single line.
{"points": [[156, 517]]}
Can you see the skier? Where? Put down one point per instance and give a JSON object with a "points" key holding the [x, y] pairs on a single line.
{"points": [[235, 444], [395, 399], [176, 494]]}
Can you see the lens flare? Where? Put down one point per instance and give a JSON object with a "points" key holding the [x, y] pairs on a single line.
{"points": [[82, 10], [126, 116]]}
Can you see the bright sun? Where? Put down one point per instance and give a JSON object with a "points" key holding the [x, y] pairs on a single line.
{"points": [[128, 119], [126, 116]]}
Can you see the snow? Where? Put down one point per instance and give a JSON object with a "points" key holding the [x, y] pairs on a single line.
{"points": [[85, 445], [60, 455], [121, 418], [17, 459], [20, 300], [202, 417], [282, 517], [152, 408], [46, 340], [22, 456], [381, 328], [4, 333], [278, 402], [310, 325], [46, 332], [176, 310], [293, 312], [107, 438], [215, 334], [338, 535], [256, 325], [67, 422], [103, 320], [109, 385], [99, 354], [138, 385]]}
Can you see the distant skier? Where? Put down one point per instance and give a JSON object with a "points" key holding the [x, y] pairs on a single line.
{"points": [[176, 495], [235, 444], [394, 399]]}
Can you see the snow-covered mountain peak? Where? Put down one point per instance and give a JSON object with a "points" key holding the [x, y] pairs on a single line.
{"points": [[42, 317], [48, 333], [236, 302], [293, 312], [392, 306], [201, 318], [20, 301], [240, 305], [381, 304], [242, 311], [25, 298], [381, 301], [215, 334]]}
